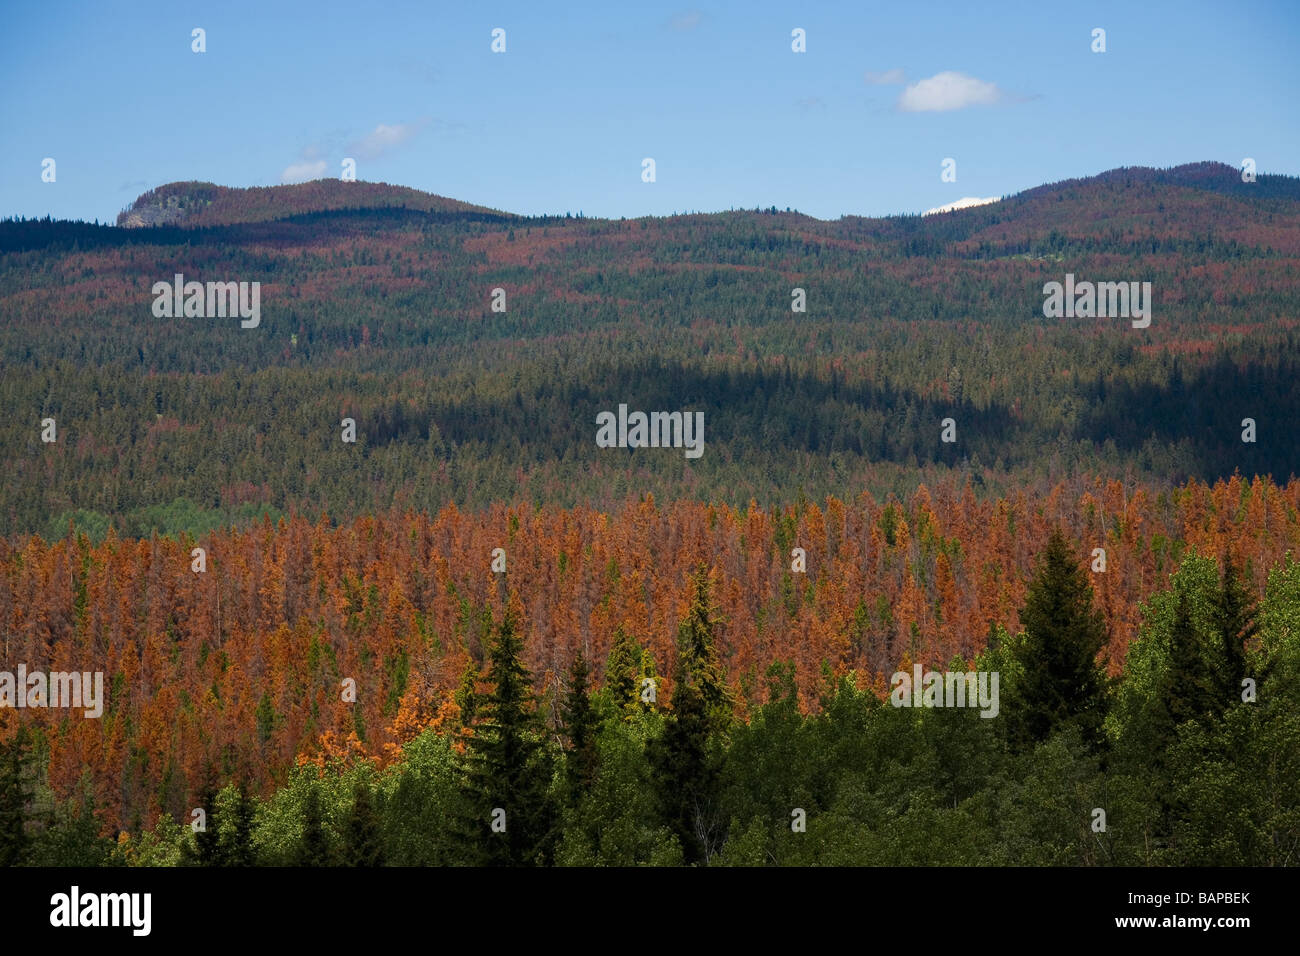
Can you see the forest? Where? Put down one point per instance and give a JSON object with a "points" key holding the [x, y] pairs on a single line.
{"points": [[382, 313], [474, 637], [235, 675], [1188, 756]]}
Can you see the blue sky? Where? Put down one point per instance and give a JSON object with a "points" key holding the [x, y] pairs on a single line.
{"points": [[561, 121]]}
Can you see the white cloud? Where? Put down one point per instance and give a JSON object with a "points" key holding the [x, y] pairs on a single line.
{"points": [[302, 172], [948, 91], [965, 203], [888, 78], [383, 139]]}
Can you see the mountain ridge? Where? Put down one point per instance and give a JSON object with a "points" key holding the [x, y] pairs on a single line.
{"points": [[195, 204]]}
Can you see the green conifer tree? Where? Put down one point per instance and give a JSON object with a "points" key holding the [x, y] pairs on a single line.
{"points": [[1190, 692], [1234, 625], [1060, 681], [696, 650], [580, 762], [15, 799], [685, 765], [508, 768], [235, 836], [466, 696], [205, 850], [622, 672], [687, 777]]}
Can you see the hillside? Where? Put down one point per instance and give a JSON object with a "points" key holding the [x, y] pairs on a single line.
{"points": [[376, 303]]}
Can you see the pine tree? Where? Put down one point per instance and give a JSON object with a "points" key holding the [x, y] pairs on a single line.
{"points": [[15, 798], [580, 730], [364, 844], [1063, 633], [507, 767]]}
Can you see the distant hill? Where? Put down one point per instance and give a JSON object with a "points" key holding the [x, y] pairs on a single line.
{"points": [[1209, 176], [194, 204], [475, 349], [1114, 210]]}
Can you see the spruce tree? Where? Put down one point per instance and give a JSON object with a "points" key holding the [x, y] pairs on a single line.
{"points": [[507, 767], [696, 650], [1234, 625], [580, 731], [15, 798], [1186, 694], [466, 696], [684, 763], [686, 777], [1064, 631], [1190, 693]]}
